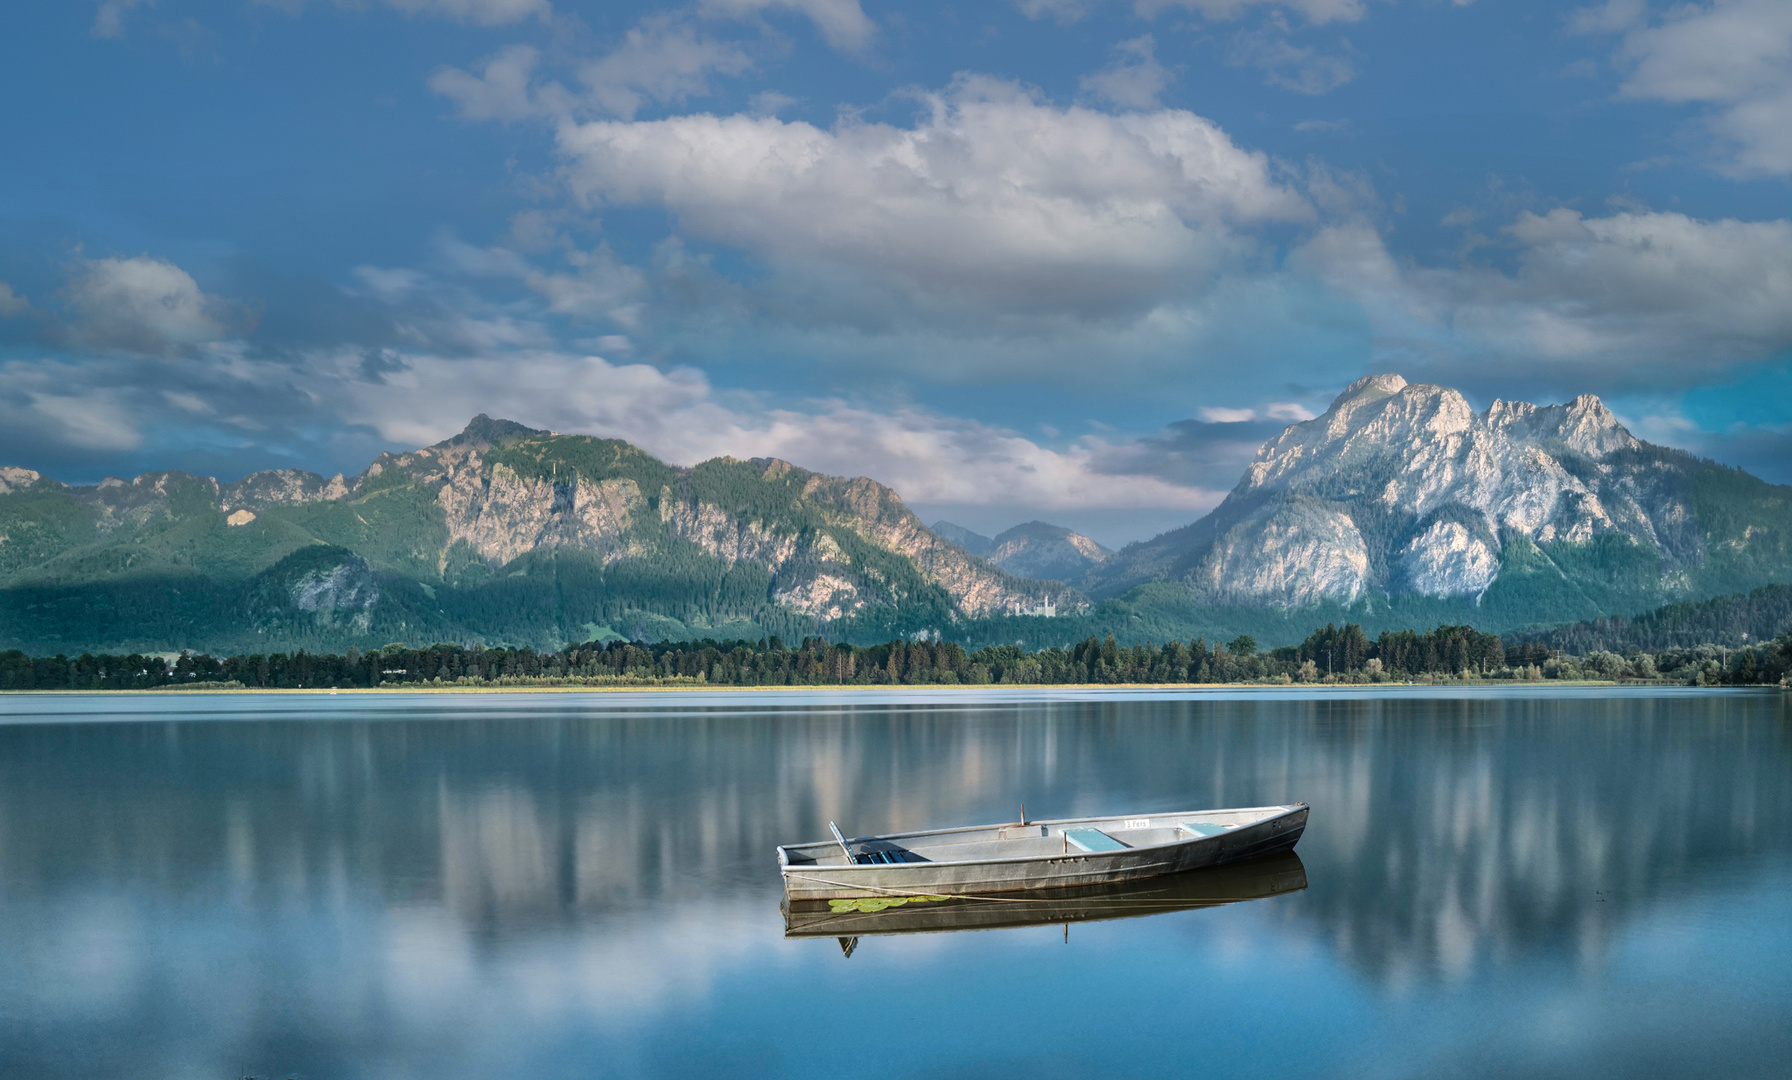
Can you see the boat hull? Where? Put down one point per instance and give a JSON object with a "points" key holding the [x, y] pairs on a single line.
{"points": [[1279, 830]]}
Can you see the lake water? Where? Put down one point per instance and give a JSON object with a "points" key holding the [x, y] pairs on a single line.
{"points": [[1530, 883]]}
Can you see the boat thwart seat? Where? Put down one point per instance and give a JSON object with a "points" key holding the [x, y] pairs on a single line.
{"points": [[1202, 828], [1089, 839]]}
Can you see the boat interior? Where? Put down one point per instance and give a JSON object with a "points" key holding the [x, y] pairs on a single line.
{"points": [[1030, 840]]}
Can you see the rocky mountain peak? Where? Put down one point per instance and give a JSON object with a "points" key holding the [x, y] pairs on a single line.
{"points": [[1351, 409], [1589, 427], [1584, 425], [483, 431], [1050, 552], [1404, 488], [13, 478], [1416, 447], [273, 487], [1369, 388], [1376, 419]]}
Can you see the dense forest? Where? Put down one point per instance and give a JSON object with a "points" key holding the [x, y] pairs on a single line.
{"points": [[1734, 620], [1332, 654]]}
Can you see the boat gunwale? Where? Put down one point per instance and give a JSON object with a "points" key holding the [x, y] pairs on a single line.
{"points": [[786, 868]]}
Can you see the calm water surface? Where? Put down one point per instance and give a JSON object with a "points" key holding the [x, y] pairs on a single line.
{"points": [[1525, 884]]}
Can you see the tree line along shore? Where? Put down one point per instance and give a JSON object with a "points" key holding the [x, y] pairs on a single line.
{"points": [[1330, 655]]}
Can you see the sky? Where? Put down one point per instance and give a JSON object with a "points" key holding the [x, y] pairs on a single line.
{"points": [[1061, 259]]}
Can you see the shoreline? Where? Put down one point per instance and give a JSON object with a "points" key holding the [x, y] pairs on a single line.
{"points": [[835, 688]]}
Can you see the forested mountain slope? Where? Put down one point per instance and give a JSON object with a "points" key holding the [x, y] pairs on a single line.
{"points": [[1732, 621], [501, 534]]}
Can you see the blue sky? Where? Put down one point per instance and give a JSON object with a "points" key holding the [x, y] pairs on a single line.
{"points": [[1040, 258]]}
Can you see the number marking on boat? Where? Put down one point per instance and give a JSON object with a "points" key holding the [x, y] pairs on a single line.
{"points": [[1139, 823]]}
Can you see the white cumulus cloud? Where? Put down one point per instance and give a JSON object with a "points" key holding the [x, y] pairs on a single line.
{"points": [[500, 91], [842, 23], [108, 20], [1644, 297], [599, 286], [475, 12], [1733, 55], [142, 304], [11, 303], [1217, 414], [1304, 69], [660, 61], [993, 198], [50, 404], [1063, 11], [1313, 11], [1134, 79], [479, 12]]}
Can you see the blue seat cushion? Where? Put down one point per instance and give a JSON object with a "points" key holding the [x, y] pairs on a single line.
{"points": [[1093, 840], [1203, 828]]}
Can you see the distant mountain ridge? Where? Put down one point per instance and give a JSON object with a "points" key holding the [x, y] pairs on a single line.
{"points": [[1031, 550], [1525, 514], [1401, 507], [973, 542], [501, 533]]}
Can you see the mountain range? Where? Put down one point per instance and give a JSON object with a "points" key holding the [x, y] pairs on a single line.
{"points": [[502, 533], [1400, 506]]}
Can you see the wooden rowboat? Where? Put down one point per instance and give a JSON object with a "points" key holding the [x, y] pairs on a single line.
{"points": [[1030, 855]]}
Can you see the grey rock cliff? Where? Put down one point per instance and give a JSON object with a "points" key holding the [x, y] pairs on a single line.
{"points": [[501, 515]]}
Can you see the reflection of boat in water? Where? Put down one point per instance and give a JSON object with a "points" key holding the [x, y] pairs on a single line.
{"points": [[983, 859], [850, 919]]}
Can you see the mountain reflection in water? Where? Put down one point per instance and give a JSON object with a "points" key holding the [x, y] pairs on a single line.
{"points": [[466, 886]]}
